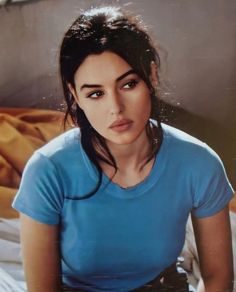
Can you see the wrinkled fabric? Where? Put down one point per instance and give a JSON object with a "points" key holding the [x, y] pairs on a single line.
{"points": [[22, 131]]}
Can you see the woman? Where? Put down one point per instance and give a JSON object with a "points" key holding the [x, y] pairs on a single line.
{"points": [[104, 206]]}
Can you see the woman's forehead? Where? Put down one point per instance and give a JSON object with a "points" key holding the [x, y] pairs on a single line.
{"points": [[101, 67]]}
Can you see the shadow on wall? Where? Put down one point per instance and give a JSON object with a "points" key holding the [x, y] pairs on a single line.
{"points": [[220, 138], [14, 2]]}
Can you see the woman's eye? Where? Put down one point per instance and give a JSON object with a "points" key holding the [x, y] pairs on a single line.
{"points": [[130, 84], [95, 94]]}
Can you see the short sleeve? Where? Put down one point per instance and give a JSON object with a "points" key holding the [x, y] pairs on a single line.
{"points": [[212, 189], [40, 195]]}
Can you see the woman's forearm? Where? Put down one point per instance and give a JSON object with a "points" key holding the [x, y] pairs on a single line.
{"points": [[41, 257], [215, 285]]}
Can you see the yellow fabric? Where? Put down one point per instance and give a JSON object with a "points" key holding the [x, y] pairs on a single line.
{"points": [[21, 132]]}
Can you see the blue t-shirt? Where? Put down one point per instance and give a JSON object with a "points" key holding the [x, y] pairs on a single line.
{"points": [[119, 239]]}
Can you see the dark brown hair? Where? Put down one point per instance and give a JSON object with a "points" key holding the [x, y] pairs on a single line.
{"points": [[95, 31]]}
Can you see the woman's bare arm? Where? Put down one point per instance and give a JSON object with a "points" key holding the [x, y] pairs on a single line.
{"points": [[213, 239], [41, 260]]}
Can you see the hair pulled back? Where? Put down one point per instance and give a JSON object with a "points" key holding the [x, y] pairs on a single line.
{"points": [[95, 31]]}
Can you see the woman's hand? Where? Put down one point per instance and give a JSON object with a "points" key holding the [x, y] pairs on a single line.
{"points": [[41, 257], [214, 244]]}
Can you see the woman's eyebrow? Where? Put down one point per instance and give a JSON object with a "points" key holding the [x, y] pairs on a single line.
{"points": [[131, 71]]}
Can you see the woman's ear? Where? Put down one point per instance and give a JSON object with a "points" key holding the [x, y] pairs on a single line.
{"points": [[73, 92], [153, 76]]}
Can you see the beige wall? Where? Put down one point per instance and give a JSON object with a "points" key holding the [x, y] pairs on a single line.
{"points": [[199, 36]]}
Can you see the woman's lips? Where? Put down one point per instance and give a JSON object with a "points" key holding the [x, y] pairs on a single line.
{"points": [[121, 125]]}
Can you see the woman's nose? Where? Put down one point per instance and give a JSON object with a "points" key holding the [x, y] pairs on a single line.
{"points": [[116, 103]]}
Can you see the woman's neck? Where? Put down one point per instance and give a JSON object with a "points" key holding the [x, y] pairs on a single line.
{"points": [[133, 155], [131, 162]]}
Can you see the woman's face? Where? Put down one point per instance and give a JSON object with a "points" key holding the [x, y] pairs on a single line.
{"points": [[115, 100]]}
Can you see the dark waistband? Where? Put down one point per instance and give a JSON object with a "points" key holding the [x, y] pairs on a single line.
{"points": [[170, 280]]}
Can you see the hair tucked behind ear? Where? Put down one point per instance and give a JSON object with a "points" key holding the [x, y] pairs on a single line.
{"points": [[95, 31]]}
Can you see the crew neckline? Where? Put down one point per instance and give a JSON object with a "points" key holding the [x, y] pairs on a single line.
{"points": [[113, 189]]}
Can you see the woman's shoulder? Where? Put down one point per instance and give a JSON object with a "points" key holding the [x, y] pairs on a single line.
{"points": [[203, 169], [61, 144], [44, 180], [61, 151], [187, 147], [179, 136]]}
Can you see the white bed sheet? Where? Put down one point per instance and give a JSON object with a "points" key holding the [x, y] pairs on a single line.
{"points": [[11, 270]]}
